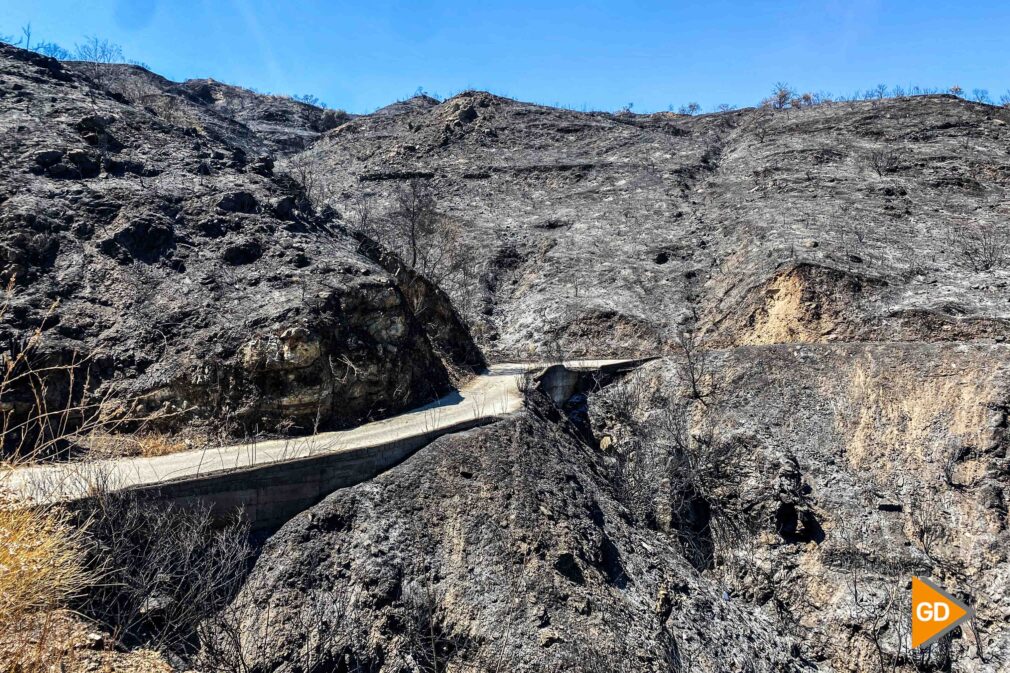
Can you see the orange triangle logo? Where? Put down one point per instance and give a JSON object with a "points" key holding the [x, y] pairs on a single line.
{"points": [[934, 612]]}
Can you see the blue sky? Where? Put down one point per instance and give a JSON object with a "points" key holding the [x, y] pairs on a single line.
{"points": [[601, 55]]}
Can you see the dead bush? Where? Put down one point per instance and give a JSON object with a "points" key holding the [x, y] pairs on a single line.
{"points": [[526, 381], [41, 553], [148, 573], [629, 399], [41, 568], [979, 246], [693, 368], [433, 643], [780, 97], [928, 522], [36, 419], [415, 222], [670, 478], [430, 241], [316, 186], [884, 161], [638, 477], [95, 54], [163, 569], [949, 458], [227, 645]]}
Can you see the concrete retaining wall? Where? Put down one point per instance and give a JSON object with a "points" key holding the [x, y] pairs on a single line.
{"points": [[560, 382], [271, 494]]}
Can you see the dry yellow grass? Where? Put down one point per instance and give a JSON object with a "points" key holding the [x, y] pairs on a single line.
{"points": [[894, 417], [40, 568], [102, 444], [39, 559], [159, 445]]}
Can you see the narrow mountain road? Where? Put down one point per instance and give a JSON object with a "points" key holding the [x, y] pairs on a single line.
{"points": [[494, 392]]}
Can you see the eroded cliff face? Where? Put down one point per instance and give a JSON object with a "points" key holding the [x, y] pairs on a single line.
{"points": [[181, 278]]}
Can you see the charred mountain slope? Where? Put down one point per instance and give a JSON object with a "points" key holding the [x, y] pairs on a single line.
{"points": [[851, 221], [259, 123], [835, 425], [754, 502], [199, 283], [771, 525]]}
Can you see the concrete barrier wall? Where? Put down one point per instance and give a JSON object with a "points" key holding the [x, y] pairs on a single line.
{"points": [[560, 382], [272, 493]]}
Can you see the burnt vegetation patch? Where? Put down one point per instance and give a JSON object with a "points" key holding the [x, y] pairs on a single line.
{"points": [[177, 256]]}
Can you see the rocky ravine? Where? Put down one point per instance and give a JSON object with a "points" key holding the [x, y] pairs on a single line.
{"points": [[200, 284], [497, 549], [814, 481]]}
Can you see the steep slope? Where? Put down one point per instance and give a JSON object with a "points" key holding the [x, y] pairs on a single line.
{"points": [[863, 220], [773, 526], [259, 123], [565, 212], [836, 425], [503, 548], [835, 473], [172, 103], [185, 277]]}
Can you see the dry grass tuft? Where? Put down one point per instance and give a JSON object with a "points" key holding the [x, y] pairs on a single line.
{"points": [[41, 552], [146, 443], [39, 555], [40, 568]]}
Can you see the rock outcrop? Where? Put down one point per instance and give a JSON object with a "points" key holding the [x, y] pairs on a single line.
{"points": [[830, 475], [175, 274]]}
